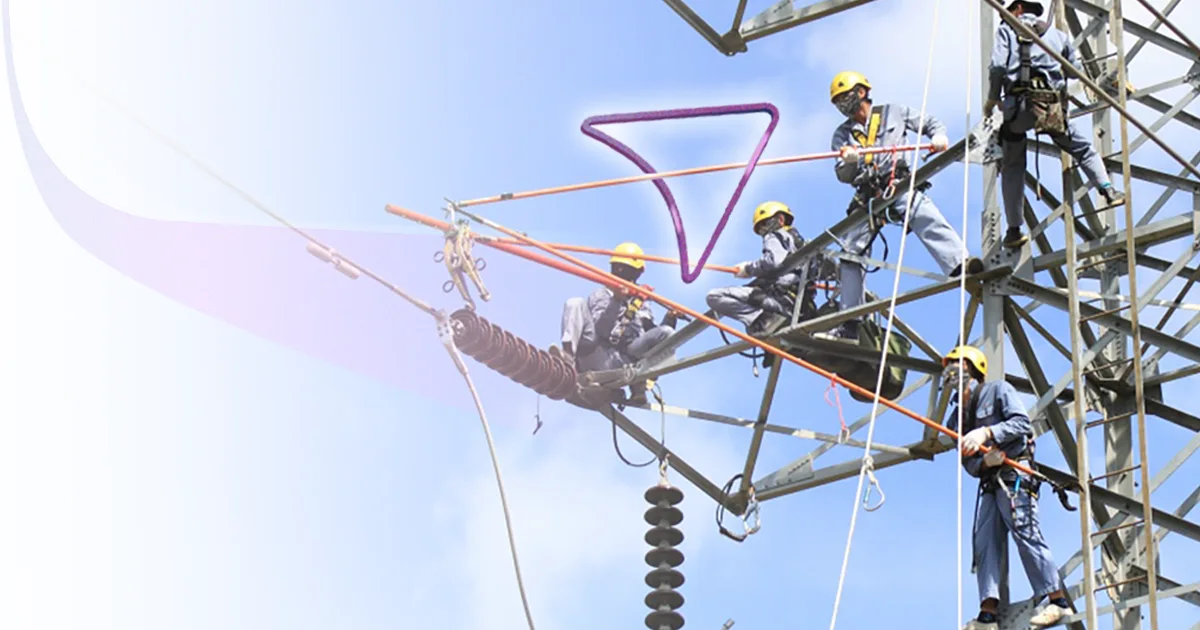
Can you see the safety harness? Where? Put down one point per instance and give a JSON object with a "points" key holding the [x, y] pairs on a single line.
{"points": [[627, 317], [1006, 478], [1035, 97], [873, 184], [779, 299], [1032, 89]]}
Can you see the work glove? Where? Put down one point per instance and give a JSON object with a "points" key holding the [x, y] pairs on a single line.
{"points": [[849, 154], [739, 271], [989, 107], [940, 143], [993, 458], [975, 439]]}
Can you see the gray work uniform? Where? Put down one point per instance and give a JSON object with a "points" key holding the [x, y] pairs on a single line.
{"points": [[1003, 73], [927, 222], [603, 339], [746, 303], [996, 405]]}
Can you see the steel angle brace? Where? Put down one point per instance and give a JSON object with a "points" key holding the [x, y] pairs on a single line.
{"points": [[1125, 504], [1144, 236], [773, 487], [1137, 30], [784, 15], [624, 377], [1116, 523], [1112, 320], [804, 464], [781, 16], [674, 461], [803, 434], [867, 261]]}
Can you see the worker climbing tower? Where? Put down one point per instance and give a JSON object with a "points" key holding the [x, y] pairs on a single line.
{"points": [[1103, 268]]}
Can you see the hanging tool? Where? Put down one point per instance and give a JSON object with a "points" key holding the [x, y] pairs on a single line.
{"points": [[456, 254]]}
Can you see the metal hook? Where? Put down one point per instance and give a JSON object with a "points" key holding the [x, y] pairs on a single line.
{"points": [[869, 465], [751, 508]]}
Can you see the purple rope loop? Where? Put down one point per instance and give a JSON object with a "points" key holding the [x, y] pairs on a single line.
{"points": [[589, 129]]}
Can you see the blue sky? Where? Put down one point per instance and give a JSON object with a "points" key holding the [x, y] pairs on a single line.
{"points": [[248, 483]]}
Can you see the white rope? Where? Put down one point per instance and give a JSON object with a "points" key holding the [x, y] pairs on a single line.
{"points": [[443, 325], [868, 465], [962, 336], [447, 337]]}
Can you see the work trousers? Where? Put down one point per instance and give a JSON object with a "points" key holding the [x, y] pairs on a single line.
{"points": [[1012, 169], [927, 222], [593, 354], [734, 302], [995, 518]]}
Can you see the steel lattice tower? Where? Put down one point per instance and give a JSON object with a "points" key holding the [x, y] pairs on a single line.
{"points": [[1114, 368]]}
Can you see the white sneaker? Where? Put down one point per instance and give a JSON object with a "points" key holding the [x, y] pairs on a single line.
{"points": [[1049, 615], [976, 624]]}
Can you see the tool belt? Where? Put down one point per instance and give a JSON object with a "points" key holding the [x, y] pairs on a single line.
{"points": [[1033, 92], [874, 184], [1047, 105], [1005, 478]]}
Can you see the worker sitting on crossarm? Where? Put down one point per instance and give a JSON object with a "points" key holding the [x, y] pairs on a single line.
{"points": [[612, 327], [1035, 98], [766, 301], [994, 417], [872, 175]]}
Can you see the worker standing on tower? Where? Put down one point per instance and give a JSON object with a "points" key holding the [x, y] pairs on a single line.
{"points": [[613, 327], [1034, 93], [869, 125], [1006, 503]]}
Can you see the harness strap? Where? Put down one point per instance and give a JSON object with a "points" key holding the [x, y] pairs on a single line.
{"points": [[869, 139]]}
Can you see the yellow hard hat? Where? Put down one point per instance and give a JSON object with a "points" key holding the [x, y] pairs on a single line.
{"points": [[768, 209], [628, 249], [845, 81], [971, 355]]}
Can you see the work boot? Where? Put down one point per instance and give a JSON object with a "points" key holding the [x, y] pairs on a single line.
{"points": [[985, 621], [1052, 613], [1014, 239], [765, 323], [846, 331], [637, 393], [974, 266], [1111, 194]]}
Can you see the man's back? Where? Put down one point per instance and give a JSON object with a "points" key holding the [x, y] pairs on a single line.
{"points": [[1006, 54]]}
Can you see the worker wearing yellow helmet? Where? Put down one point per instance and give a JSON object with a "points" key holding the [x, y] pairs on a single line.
{"points": [[869, 125], [766, 301], [1010, 86], [612, 328], [994, 418]]}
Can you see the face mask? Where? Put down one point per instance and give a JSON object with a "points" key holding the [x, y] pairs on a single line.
{"points": [[847, 103], [956, 381]]}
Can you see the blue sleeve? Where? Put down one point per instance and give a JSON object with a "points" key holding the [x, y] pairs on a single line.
{"points": [[773, 253], [998, 68], [930, 126], [1015, 423], [845, 171]]}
